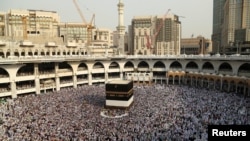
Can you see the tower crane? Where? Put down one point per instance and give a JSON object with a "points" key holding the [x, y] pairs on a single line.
{"points": [[150, 45], [89, 25]]}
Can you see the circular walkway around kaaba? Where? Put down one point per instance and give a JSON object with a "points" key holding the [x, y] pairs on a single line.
{"points": [[112, 113]]}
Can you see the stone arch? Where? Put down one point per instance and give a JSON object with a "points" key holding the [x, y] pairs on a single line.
{"points": [[26, 70], [29, 52], [240, 87], [66, 68], [129, 64], [98, 70], [58, 52], [225, 69], [159, 69], [64, 52], [225, 84], [3, 73], [211, 83], [47, 52], [232, 84], [176, 65], [4, 87], [98, 65], [2, 53], [74, 52], [46, 68], [65, 65], [36, 53], [114, 70], [143, 66], [207, 66], [53, 51], [42, 53], [82, 66], [114, 65], [82, 71], [192, 66], [244, 70], [159, 64], [16, 52], [8, 53], [22, 52]]}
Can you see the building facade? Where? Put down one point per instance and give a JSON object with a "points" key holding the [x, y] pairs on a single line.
{"points": [[231, 26], [195, 46], [73, 32], [103, 34], [33, 29], [2, 23], [156, 35], [31, 23]]}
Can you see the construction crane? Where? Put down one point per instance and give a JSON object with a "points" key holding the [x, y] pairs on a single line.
{"points": [[24, 20], [150, 45], [89, 25]]}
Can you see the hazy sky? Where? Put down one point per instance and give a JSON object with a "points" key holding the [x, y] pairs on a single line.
{"points": [[197, 13]]}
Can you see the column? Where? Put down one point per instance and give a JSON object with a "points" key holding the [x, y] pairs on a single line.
{"points": [[90, 78], [229, 86], [244, 91], [196, 84], [37, 79], [57, 78], [248, 92], [236, 88], [121, 75], [221, 84], [75, 80], [191, 81], [106, 76], [13, 89]]}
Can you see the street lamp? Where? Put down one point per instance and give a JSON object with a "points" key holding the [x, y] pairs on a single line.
{"points": [[218, 47], [184, 51], [238, 47]]}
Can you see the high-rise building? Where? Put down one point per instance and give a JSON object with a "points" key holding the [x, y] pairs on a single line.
{"points": [[231, 24], [217, 22], [156, 35]]}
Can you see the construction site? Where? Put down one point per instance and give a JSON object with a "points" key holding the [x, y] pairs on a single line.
{"points": [[159, 35]]}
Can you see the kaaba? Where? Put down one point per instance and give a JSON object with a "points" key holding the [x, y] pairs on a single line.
{"points": [[119, 94]]}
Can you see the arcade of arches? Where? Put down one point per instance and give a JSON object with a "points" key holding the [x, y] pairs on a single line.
{"points": [[26, 78]]}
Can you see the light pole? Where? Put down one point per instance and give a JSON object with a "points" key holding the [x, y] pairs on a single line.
{"points": [[238, 47], [218, 47]]}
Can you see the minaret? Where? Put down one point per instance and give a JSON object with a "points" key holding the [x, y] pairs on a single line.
{"points": [[120, 28]]}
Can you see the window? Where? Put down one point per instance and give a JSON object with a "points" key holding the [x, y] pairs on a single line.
{"points": [[1, 18]]}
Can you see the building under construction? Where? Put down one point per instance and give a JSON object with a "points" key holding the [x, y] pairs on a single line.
{"points": [[159, 35]]}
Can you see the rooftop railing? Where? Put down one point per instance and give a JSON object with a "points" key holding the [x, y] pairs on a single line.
{"points": [[23, 59]]}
